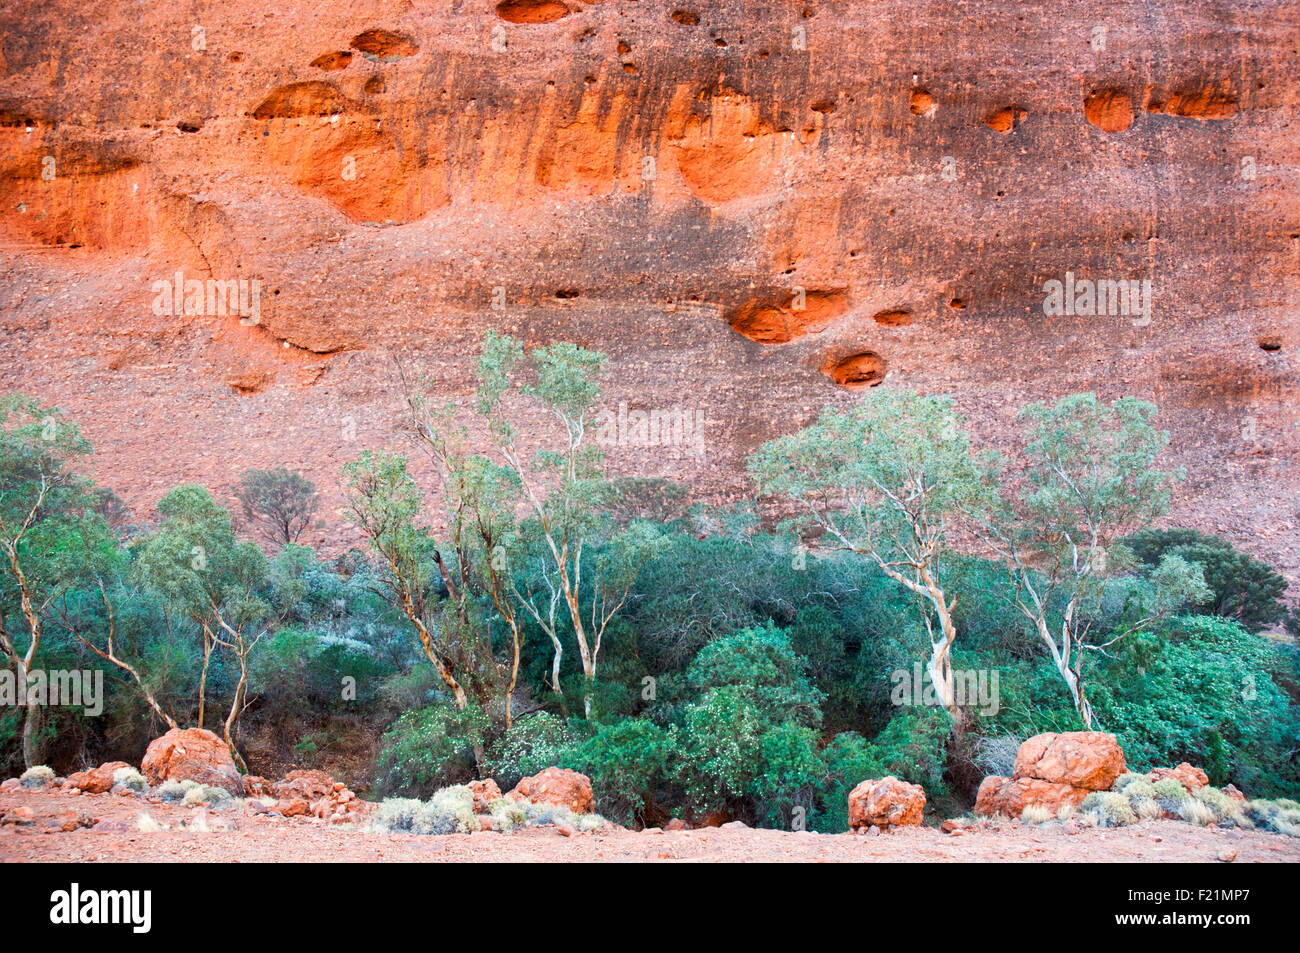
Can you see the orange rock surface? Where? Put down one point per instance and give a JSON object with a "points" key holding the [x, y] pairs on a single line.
{"points": [[659, 183]]}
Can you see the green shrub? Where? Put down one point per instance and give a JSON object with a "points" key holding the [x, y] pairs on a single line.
{"points": [[761, 663], [171, 791], [1146, 808], [1138, 787], [717, 748], [535, 741], [429, 749], [130, 778], [627, 762], [1207, 691], [1243, 587], [1196, 812], [1168, 788], [1037, 814], [1280, 816], [507, 814], [197, 794]]}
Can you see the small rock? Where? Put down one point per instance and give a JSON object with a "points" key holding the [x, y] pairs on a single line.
{"points": [[293, 807], [485, 792], [565, 830], [20, 815], [1228, 855], [735, 826]]}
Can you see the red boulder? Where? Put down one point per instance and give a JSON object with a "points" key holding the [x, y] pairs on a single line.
{"points": [[192, 754], [887, 802]]}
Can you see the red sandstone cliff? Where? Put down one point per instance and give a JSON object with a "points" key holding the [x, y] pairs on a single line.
{"points": [[655, 180]]}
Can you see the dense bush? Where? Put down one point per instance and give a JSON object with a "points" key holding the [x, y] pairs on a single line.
{"points": [[627, 762], [1244, 588], [747, 675], [428, 749]]}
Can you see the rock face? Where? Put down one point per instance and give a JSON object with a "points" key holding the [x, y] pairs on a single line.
{"points": [[381, 168], [558, 786], [1052, 771], [885, 803], [1082, 759], [192, 754], [1185, 774]]}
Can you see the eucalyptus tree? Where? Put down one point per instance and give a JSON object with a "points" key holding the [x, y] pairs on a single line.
{"points": [[47, 519], [220, 584], [889, 479], [1085, 475], [567, 495]]}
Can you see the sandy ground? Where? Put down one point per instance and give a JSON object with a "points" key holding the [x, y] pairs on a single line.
{"points": [[238, 835]]}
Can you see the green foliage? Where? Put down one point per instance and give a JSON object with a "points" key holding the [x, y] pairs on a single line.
{"points": [[1241, 587], [718, 754], [1206, 684], [760, 648], [627, 762], [429, 749], [198, 566], [760, 665], [1108, 809], [130, 778], [449, 810], [535, 741]]}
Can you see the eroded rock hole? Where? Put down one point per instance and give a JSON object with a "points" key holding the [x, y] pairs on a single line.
{"points": [[311, 98], [922, 103], [385, 44], [1110, 110], [1006, 119], [1200, 102], [785, 319], [334, 60], [857, 371], [531, 11], [895, 317], [685, 17]]}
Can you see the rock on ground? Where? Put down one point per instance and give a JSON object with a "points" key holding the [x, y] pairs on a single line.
{"points": [[1082, 759], [558, 786], [887, 802], [1052, 771], [192, 754]]}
